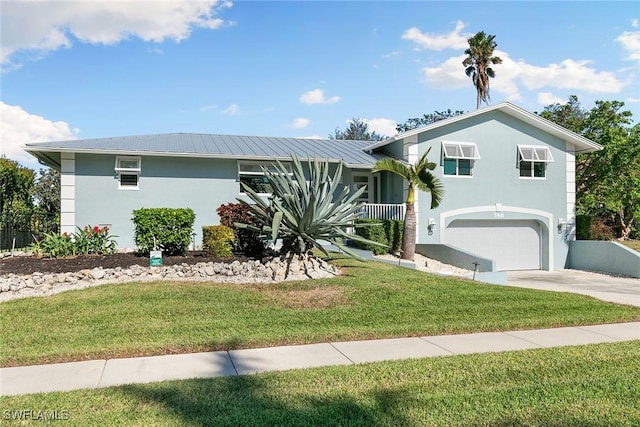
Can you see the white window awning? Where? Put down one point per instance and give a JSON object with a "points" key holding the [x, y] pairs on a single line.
{"points": [[460, 150], [530, 153]]}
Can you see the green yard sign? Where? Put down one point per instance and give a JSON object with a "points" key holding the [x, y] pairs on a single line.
{"points": [[155, 258]]}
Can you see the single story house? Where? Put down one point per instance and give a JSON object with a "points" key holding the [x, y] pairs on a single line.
{"points": [[508, 175]]}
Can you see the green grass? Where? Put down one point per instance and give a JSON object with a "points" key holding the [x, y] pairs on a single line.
{"points": [[371, 300], [594, 385]]}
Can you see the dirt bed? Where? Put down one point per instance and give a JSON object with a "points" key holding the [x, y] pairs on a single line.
{"points": [[24, 265]]}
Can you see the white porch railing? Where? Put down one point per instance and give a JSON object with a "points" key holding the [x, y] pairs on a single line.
{"points": [[383, 211]]}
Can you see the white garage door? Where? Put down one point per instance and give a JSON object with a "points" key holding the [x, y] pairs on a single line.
{"points": [[513, 245]]}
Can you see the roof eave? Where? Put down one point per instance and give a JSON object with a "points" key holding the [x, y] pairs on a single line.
{"points": [[38, 152]]}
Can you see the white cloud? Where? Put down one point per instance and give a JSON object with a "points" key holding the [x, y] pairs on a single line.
{"points": [[232, 110], [512, 75], [49, 25], [630, 41], [547, 98], [312, 137], [20, 127], [453, 40], [316, 96], [635, 23], [300, 123], [569, 74], [385, 127]]}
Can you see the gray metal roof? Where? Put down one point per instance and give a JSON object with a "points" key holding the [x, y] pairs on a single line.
{"points": [[350, 153]]}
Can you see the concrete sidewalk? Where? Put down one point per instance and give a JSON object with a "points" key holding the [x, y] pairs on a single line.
{"points": [[106, 373]]}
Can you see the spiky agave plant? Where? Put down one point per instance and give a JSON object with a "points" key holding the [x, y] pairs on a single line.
{"points": [[303, 212]]}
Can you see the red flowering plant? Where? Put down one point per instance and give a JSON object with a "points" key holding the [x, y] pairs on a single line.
{"points": [[94, 240], [88, 240]]}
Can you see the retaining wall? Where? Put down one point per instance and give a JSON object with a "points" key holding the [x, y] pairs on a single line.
{"points": [[607, 257]]}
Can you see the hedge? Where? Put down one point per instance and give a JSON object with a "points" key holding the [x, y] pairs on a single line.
{"points": [[171, 229], [385, 231]]}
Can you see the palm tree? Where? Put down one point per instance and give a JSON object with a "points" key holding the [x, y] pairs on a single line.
{"points": [[478, 63], [420, 177]]}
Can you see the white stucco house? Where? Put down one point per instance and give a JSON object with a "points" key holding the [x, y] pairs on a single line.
{"points": [[508, 174]]}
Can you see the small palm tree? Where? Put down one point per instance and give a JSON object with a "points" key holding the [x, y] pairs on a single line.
{"points": [[478, 63], [420, 177]]}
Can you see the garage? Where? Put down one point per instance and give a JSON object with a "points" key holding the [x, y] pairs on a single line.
{"points": [[512, 244]]}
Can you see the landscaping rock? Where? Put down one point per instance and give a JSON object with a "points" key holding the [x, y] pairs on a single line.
{"points": [[274, 269]]}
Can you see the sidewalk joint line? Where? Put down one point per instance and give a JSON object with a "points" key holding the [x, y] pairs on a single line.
{"points": [[426, 339], [347, 357], [598, 333]]}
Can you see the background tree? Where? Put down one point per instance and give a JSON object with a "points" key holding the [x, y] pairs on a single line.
{"points": [[419, 176], [16, 203], [46, 199], [357, 130], [427, 119], [607, 181], [478, 64]]}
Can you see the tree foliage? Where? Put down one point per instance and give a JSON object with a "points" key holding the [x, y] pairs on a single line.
{"points": [[419, 176], [427, 119], [16, 195], [357, 130], [607, 181], [46, 197], [29, 201], [478, 63]]}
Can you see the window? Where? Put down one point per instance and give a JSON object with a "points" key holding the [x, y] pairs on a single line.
{"points": [[532, 161], [458, 158], [251, 174], [128, 172]]}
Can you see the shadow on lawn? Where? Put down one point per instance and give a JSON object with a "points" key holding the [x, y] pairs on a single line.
{"points": [[253, 401]]}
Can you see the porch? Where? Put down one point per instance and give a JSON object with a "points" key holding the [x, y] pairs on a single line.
{"points": [[383, 211]]}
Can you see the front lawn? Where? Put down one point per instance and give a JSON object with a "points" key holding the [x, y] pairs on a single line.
{"points": [[370, 300], [593, 385]]}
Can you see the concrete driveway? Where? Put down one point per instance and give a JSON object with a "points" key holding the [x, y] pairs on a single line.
{"points": [[608, 288]]}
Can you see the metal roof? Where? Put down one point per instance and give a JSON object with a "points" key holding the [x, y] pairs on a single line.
{"points": [[583, 144], [351, 153]]}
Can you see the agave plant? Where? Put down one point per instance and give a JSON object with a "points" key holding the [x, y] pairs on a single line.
{"points": [[302, 213]]}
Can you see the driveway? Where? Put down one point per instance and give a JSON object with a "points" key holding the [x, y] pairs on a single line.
{"points": [[608, 288]]}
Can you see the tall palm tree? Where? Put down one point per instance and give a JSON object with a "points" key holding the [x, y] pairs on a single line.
{"points": [[478, 62], [419, 176]]}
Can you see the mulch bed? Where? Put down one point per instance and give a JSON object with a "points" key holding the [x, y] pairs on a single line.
{"points": [[23, 265]]}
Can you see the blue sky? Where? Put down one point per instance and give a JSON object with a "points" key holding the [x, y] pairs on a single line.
{"points": [[99, 69]]}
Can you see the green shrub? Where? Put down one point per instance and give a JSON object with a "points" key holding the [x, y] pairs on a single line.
{"points": [[217, 241], [387, 232], [167, 229], [375, 232], [393, 229], [55, 245], [246, 241]]}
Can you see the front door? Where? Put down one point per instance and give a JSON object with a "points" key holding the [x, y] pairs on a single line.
{"points": [[362, 179]]}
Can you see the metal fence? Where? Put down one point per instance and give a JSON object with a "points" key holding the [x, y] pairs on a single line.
{"points": [[22, 239]]}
